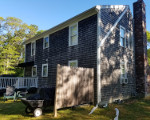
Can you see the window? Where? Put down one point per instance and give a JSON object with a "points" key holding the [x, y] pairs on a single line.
{"points": [[34, 71], [123, 77], [32, 48], [46, 42], [44, 70], [122, 37], [73, 63], [130, 41], [73, 34]]}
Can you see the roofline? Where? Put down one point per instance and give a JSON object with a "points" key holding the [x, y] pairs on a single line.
{"points": [[70, 21]]}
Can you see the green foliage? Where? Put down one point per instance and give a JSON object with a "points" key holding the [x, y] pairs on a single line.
{"points": [[148, 43], [39, 32], [148, 36], [12, 34]]}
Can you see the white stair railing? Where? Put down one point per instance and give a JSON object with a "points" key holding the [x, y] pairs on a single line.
{"points": [[18, 82]]}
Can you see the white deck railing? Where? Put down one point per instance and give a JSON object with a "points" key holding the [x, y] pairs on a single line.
{"points": [[18, 82]]}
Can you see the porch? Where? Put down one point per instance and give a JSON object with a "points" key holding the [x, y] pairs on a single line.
{"points": [[18, 82]]}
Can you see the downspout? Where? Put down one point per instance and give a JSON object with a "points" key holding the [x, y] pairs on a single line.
{"points": [[98, 9]]}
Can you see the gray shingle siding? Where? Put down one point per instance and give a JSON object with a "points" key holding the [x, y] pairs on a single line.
{"points": [[59, 51], [112, 53]]}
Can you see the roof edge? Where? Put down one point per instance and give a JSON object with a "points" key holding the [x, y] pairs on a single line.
{"points": [[70, 21]]}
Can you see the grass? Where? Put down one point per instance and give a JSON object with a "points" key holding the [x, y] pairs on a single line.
{"points": [[133, 109]]}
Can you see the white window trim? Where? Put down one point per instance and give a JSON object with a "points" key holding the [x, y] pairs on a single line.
{"points": [[34, 48], [123, 80], [70, 34], [36, 71], [70, 61], [42, 70], [44, 42], [121, 27]]}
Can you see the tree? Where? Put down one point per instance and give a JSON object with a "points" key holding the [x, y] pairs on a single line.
{"points": [[148, 43], [12, 34]]}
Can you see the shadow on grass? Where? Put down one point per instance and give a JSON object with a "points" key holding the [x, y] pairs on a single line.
{"points": [[133, 109]]}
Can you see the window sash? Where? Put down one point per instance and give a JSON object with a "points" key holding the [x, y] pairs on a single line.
{"points": [[122, 37], [123, 71], [34, 71], [46, 42], [122, 42], [33, 48], [122, 32], [73, 63], [45, 70], [73, 35], [130, 43]]}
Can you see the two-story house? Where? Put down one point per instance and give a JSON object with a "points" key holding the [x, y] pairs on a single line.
{"points": [[101, 38]]}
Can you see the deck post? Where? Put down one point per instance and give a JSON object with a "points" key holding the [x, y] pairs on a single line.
{"points": [[18, 83]]}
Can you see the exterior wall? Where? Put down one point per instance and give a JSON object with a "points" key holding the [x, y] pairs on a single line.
{"points": [[111, 55], [85, 52], [59, 51]]}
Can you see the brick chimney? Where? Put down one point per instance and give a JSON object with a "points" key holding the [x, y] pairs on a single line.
{"points": [[140, 47]]}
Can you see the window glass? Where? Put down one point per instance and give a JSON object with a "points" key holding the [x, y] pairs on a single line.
{"points": [[122, 32], [74, 30], [73, 38], [122, 37], [33, 48], [34, 71], [45, 70], [73, 63], [46, 42], [130, 40]]}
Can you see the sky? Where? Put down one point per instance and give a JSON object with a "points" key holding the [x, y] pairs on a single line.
{"points": [[49, 13]]}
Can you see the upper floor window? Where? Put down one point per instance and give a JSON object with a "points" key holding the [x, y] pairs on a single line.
{"points": [[33, 48], [46, 42], [130, 40], [73, 34], [34, 71], [44, 70], [122, 37], [73, 63]]}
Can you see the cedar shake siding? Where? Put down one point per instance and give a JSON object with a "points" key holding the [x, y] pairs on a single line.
{"points": [[111, 55], [59, 51]]}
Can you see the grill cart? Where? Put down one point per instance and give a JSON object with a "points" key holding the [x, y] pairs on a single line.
{"points": [[38, 102]]}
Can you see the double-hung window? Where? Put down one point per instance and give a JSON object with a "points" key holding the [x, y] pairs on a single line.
{"points": [[33, 48], [123, 77], [130, 42], [73, 34], [34, 71], [45, 42], [44, 70], [73, 63], [122, 37]]}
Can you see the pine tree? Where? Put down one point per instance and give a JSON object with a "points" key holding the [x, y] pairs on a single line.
{"points": [[12, 34]]}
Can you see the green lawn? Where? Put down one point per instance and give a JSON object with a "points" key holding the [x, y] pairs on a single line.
{"points": [[130, 110]]}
